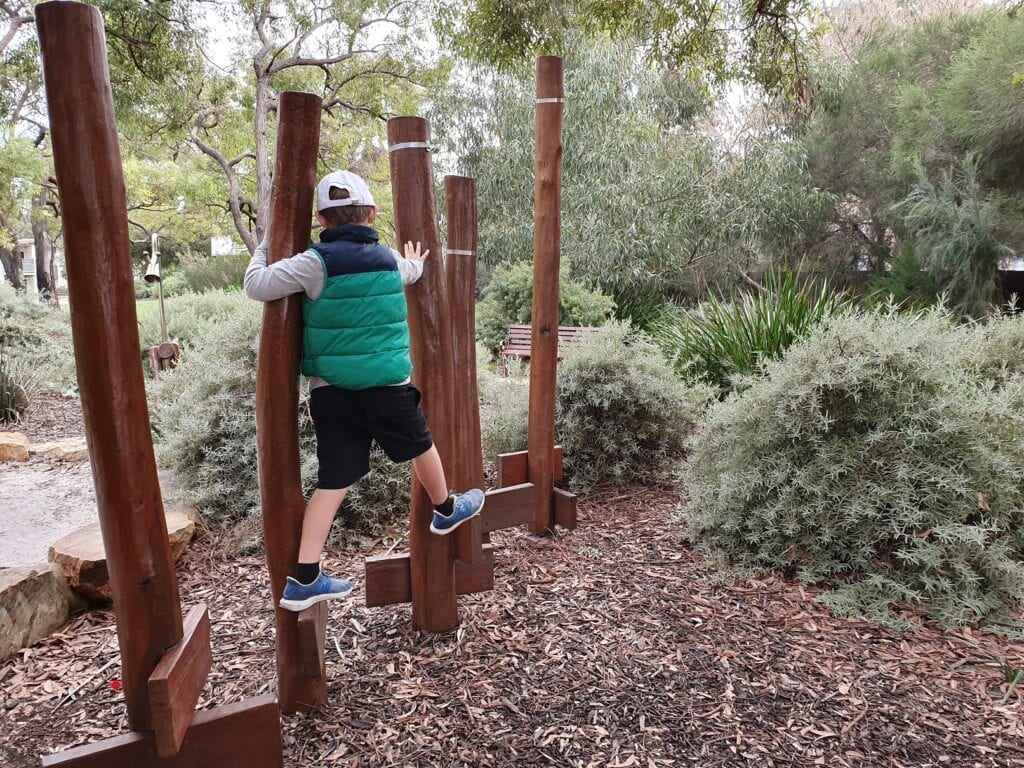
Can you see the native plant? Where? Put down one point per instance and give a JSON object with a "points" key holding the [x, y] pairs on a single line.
{"points": [[13, 393], [881, 458], [37, 337], [720, 340]]}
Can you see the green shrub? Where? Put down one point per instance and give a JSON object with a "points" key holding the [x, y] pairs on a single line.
{"points": [[37, 338], [504, 411], [622, 414], [721, 340], [13, 392], [205, 422], [508, 300], [906, 286], [190, 316], [212, 273], [879, 459]]}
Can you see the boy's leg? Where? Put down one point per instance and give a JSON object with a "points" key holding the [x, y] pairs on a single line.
{"points": [[316, 524], [431, 474]]}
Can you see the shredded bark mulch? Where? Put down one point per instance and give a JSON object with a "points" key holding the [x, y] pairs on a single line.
{"points": [[49, 417], [615, 645]]}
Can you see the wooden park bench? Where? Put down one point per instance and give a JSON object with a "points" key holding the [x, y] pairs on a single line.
{"points": [[517, 345]]}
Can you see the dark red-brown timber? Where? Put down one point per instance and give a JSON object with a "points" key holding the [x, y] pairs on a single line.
{"points": [[87, 160], [277, 387], [434, 600], [546, 245], [467, 470]]}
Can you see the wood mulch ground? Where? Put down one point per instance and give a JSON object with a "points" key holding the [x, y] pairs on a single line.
{"points": [[49, 416], [615, 645]]}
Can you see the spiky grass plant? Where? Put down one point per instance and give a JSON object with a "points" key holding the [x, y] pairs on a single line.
{"points": [[720, 340]]}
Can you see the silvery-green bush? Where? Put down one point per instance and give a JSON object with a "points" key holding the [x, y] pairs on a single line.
{"points": [[882, 457], [622, 414], [504, 410], [205, 422], [37, 340]]}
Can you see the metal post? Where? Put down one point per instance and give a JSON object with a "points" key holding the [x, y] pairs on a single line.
{"points": [[434, 600], [467, 470], [546, 245], [104, 325], [277, 386]]}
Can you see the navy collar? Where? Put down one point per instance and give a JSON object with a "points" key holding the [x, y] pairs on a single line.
{"points": [[359, 233]]}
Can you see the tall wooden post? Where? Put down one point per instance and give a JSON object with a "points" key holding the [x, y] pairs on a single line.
{"points": [[467, 470], [277, 388], [434, 601], [546, 246], [104, 326]]}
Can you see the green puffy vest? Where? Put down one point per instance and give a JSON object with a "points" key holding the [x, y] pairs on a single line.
{"points": [[355, 335]]}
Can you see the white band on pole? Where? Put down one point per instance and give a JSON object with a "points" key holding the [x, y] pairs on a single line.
{"points": [[409, 145], [459, 252], [551, 101]]}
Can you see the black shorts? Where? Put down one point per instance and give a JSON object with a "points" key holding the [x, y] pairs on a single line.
{"points": [[346, 421]]}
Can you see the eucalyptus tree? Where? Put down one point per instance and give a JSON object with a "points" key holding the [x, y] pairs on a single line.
{"points": [[365, 58], [656, 202]]}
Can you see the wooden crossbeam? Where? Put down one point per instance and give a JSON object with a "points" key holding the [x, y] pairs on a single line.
{"points": [[247, 733], [512, 467], [507, 508], [388, 578], [565, 508], [312, 627], [177, 681]]}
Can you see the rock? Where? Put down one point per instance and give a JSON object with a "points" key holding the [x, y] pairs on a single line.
{"points": [[33, 603], [81, 555], [69, 449], [13, 446]]}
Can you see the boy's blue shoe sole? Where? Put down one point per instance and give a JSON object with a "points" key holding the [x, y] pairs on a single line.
{"points": [[474, 499], [299, 597]]}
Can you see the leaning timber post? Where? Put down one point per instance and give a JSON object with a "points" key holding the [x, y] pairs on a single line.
{"points": [[104, 326], [467, 470], [277, 387], [434, 601], [546, 245]]}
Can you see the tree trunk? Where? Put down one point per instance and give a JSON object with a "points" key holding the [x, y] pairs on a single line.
{"points": [[262, 156], [12, 268], [46, 268]]}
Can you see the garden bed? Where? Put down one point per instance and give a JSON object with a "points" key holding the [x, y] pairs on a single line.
{"points": [[611, 646]]}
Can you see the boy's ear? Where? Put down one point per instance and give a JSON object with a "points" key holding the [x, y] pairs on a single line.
{"points": [[321, 219], [373, 215]]}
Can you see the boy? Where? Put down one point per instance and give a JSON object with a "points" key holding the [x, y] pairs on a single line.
{"points": [[355, 351]]}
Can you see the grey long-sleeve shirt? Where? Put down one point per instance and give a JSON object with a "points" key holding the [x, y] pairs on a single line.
{"points": [[303, 273]]}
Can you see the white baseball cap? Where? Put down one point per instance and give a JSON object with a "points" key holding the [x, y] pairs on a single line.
{"points": [[358, 192]]}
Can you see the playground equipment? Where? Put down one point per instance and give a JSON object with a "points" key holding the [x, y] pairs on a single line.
{"points": [[164, 661], [166, 354]]}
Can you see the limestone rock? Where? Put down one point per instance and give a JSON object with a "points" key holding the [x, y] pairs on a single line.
{"points": [[13, 446], [69, 449], [33, 603], [83, 559]]}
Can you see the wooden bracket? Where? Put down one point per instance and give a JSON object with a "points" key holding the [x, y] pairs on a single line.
{"points": [[512, 467], [247, 733], [565, 508], [389, 581], [177, 681], [312, 636], [507, 507]]}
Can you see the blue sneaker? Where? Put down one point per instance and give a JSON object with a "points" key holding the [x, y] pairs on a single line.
{"points": [[298, 597], [465, 506]]}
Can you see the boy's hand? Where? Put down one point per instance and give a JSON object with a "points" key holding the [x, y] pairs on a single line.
{"points": [[413, 254]]}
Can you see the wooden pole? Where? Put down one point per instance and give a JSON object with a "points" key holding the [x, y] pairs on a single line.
{"points": [[434, 600], [104, 326], [546, 245], [277, 387], [467, 470]]}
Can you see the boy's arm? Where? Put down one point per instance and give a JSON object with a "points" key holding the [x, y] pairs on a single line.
{"points": [[410, 267], [301, 273]]}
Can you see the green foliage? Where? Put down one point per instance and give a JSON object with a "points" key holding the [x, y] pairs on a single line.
{"points": [[37, 338], [215, 272], [721, 340], [508, 299], [652, 202], [504, 411], [878, 459], [906, 286], [709, 41], [953, 231], [13, 392], [622, 414], [191, 316], [205, 423]]}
